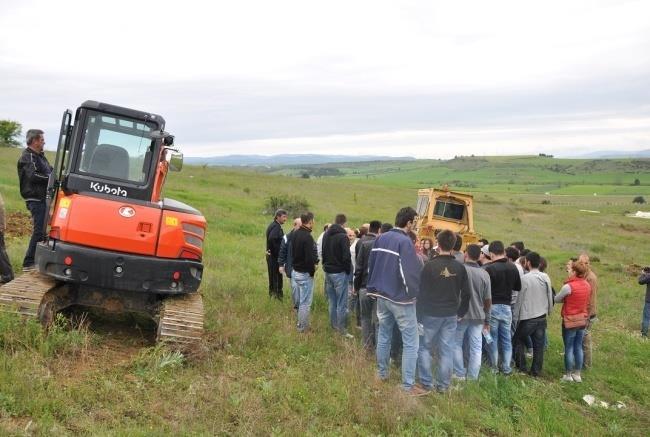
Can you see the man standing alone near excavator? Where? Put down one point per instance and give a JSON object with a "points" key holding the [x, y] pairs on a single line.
{"points": [[33, 173]]}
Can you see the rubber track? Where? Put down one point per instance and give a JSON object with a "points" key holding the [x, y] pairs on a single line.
{"points": [[24, 294], [181, 319]]}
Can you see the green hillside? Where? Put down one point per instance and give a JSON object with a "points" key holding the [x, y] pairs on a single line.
{"points": [[527, 174], [257, 375]]}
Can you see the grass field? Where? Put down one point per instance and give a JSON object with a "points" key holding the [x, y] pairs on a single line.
{"points": [[257, 375]]}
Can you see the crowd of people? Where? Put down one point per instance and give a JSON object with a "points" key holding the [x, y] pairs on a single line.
{"points": [[434, 302]]}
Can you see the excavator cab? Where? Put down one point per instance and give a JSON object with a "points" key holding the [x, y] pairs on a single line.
{"points": [[440, 209], [113, 241]]}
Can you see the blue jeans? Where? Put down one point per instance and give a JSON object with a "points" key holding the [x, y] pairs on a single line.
{"points": [[389, 314], [472, 332], [439, 335], [336, 289], [37, 210], [304, 285], [573, 355], [646, 319], [500, 324]]}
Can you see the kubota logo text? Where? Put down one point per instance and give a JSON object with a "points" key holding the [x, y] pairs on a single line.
{"points": [[105, 189]]}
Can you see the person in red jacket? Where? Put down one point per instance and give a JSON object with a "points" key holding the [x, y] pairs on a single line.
{"points": [[576, 295]]}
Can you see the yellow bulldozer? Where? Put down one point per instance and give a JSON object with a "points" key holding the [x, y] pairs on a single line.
{"points": [[440, 209]]}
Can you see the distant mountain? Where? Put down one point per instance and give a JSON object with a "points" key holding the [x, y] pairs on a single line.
{"points": [[276, 160], [613, 154]]}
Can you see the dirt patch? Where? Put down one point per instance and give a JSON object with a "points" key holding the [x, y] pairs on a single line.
{"points": [[19, 224], [633, 269], [115, 344], [635, 229]]}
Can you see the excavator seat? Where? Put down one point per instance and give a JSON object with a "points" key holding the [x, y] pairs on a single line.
{"points": [[109, 160]]}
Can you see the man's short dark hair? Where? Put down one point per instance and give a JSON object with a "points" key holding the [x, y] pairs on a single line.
{"points": [[534, 259], [32, 135], [542, 264], [306, 217], [375, 225], [524, 252], [473, 251], [280, 212], [385, 228], [459, 242], [483, 241], [496, 247], [405, 215], [446, 240], [340, 219], [519, 245], [512, 253]]}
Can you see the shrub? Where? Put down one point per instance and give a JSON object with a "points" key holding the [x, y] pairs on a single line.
{"points": [[546, 202], [295, 205], [638, 199]]}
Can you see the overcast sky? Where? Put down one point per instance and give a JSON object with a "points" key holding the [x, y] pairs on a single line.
{"points": [[428, 79]]}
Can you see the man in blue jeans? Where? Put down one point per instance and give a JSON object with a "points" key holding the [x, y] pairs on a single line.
{"points": [[394, 279], [304, 258], [504, 278], [469, 329], [337, 265], [443, 300], [33, 173]]}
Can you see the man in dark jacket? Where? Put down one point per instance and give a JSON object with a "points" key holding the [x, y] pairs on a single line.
{"points": [[285, 257], [394, 279], [644, 279], [33, 173], [337, 265], [444, 298], [504, 278], [368, 305], [274, 234], [304, 261]]}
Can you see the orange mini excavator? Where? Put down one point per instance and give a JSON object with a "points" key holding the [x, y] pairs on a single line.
{"points": [[112, 241]]}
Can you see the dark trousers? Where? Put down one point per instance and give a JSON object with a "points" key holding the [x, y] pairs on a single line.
{"points": [[37, 210], [535, 328], [368, 312], [6, 272], [275, 277]]}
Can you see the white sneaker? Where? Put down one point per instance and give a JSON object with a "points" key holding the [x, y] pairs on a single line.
{"points": [[566, 378], [576, 377]]}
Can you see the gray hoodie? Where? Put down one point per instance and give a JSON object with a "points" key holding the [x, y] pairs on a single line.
{"points": [[535, 298]]}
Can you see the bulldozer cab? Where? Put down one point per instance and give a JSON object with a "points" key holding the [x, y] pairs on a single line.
{"points": [[111, 150], [440, 209]]}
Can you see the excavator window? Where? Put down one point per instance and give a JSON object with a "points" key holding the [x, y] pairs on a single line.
{"points": [[116, 148], [449, 210]]}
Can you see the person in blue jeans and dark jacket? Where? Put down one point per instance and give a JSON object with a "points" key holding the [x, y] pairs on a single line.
{"points": [[33, 173], [504, 278], [443, 300], [644, 279], [394, 279]]}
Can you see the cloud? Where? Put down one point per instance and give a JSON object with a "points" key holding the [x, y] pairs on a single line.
{"points": [[257, 77]]}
